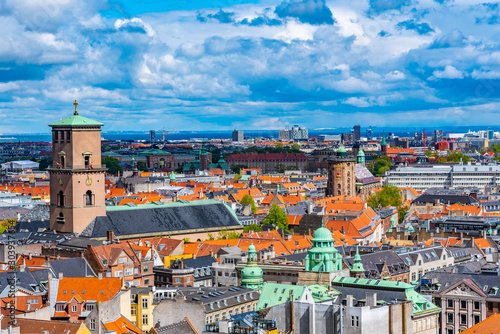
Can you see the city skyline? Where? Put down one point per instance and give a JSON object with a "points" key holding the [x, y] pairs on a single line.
{"points": [[222, 65]]}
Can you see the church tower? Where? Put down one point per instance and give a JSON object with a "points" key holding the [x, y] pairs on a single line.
{"points": [[251, 275], [341, 174], [76, 176]]}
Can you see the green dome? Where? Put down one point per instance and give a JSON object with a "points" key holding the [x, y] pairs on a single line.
{"points": [[411, 229], [251, 248], [322, 234], [361, 153], [341, 150], [251, 275]]}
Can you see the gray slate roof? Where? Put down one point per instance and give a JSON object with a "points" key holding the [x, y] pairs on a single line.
{"points": [[182, 327], [73, 267], [162, 219]]}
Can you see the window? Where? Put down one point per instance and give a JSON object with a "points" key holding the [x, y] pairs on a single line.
{"points": [[463, 319], [146, 268], [144, 303], [450, 303], [89, 307], [354, 321], [129, 271], [133, 310], [476, 319], [74, 308], [177, 280], [60, 197], [92, 324], [463, 304], [88, 197], [450, 318], [476, 305], [144, 319], [146, 281], [118, 273], [490, 306], [450, 331], [122, 260]]}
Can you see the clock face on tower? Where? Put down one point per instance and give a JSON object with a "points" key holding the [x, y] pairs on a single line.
{"points": [[88, 181], [61, 182]]}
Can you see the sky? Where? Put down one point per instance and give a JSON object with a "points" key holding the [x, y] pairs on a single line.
{"points": [[220, 64]]}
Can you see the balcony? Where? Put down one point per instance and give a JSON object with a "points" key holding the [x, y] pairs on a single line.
{"points": [[56, 166]]}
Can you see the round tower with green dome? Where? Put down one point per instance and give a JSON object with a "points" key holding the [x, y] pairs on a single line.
{"points": [[323, 256], [357, 269], [360, 158], [251, 275]]}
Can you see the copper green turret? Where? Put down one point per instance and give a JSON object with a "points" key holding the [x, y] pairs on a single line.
{"points": [[323, 256], [251, 275], [357, 268]]}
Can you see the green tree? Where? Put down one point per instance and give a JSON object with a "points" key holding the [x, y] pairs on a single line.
{"points": [[252, 227], [381, 165], [276, 217], [246, 200], [7, 224], [279, 145], [113, 165], [225, 234], [237, 168], [44, 163], [210, 236], [296, 147], [186, 240], [402, 213], [141, 165], [388, 196], [455, 156]]}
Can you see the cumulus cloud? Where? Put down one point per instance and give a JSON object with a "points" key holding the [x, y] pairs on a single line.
{"points": [[449, 72], [454, 39], [306, 11]]}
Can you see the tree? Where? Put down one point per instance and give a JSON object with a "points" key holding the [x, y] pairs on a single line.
{"points": [[237, 168], [381, 165], [246, 200], [113, 165], [296, 147], [455, 156], [44, 163], [402, 213], [186, 240], [388, 196], [252, 227], [225, 234], [141, 165], [276, 217], [279, 145]]}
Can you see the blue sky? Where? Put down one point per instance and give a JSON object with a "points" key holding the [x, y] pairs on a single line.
{"points": [[215, 65]]}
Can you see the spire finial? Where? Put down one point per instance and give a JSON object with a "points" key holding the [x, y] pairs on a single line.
{"points": [[76, 111]]}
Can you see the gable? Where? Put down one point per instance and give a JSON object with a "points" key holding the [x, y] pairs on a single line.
{"points": [[463, 288]]}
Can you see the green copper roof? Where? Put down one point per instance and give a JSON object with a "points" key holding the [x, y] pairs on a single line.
{"points": [[361, 153], [357, 266], [322, 234], [172, 177], [383, 141], [411, 229], [251, 275], [275, 293], [321, 293], [341, 149], [420, 304], [76, 120]]}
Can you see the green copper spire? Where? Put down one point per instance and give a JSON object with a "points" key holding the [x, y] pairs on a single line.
{"points": [[490, 232], [251, 275], [172, 176], [323, 255], [411, 229], [357, 266], [383, 140], [360, 158]]}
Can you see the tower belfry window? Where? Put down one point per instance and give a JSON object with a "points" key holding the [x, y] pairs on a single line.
{"points": [[60, 198], [89, 198]]}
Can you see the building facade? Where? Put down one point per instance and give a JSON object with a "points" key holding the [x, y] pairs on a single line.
{"points": [[341, 174]]}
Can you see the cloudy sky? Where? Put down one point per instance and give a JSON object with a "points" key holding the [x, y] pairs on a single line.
{"points": [[221, 64]]}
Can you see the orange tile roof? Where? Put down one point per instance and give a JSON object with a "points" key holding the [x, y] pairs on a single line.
{"points": [[88, 288], [489, 325], [294, 220], [122, 326]]}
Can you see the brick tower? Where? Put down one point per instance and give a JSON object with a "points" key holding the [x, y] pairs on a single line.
{"points": [[77, 176], [341, 174]]}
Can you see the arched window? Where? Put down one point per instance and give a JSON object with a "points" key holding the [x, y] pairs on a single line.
{"points": [[88, 198], [60, 218], [60, 198]]}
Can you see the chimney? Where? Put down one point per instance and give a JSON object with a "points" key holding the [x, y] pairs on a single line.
{"points": [[29, 256], [99, 275], [194, 256], [371, 299], [111, 236], [18, 216], [211, 253], [349, 301], [60, 275]]}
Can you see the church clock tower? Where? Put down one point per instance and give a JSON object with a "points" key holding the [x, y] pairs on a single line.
{"points": [[76, 176]]}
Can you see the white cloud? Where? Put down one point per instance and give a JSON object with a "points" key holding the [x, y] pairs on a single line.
{"points": [[449, 72]]}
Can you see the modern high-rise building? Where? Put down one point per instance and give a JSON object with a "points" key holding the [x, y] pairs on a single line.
{"points": [[237, 135], [357, 132], [152, 135], [284, 134], [298, 133], [77, 176]]}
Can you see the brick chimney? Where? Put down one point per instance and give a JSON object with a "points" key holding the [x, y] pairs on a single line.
{"points": [[110, 236]]}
